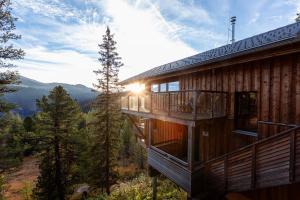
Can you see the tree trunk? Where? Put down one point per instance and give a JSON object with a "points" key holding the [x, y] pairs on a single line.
{"points": [[60, 189]]}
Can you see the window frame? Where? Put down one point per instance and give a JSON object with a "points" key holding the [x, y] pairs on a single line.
{"points": [[238, 116], [176, 89]]}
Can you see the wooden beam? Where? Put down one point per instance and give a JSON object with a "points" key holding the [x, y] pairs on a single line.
{"points": [[191, 146], [161, 117], [150, 132]]}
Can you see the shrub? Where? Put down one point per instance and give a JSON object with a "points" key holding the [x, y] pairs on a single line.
{"points": [[140, 189]]}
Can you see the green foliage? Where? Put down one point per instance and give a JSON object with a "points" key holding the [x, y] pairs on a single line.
{"points": [[11, 144], [7, 52], [29, 124], [106, 123], [60, 136], [140, 189], [126, 142], [130, 149]]}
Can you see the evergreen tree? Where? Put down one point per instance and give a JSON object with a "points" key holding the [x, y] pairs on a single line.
{"points": [[106, 125], [7, 52], [28, 124], [11, 145], [58, 131]]}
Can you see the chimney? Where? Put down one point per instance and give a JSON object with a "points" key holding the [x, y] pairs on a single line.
{"points": [[232, 20]]}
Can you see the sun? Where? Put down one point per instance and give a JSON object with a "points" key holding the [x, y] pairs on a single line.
{"points": [[135, 87]]}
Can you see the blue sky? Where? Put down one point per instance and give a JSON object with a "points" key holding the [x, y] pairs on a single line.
{"points": [[60, 37]]}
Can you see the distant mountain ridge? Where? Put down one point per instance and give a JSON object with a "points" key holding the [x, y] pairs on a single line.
{"points": [[29, 90]]}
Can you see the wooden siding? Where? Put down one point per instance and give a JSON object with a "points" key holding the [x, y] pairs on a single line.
{"points": [[276, 81], [170, 137]]}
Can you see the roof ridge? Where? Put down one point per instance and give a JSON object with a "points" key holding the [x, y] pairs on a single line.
{"points": [[257, 41]]}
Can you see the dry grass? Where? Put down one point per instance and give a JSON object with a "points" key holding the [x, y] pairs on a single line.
{"points": [[16, 179]]}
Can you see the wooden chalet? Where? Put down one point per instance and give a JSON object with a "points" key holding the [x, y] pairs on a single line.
{"points": [[225, 122]]}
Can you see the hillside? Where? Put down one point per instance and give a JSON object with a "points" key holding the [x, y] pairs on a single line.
{"points": [[29, 90]]}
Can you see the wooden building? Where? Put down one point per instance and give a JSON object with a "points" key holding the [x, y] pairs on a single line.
{"points": [[225, 122]]}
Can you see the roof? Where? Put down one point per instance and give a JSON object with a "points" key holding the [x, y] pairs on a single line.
{"points": [[258, 42]]}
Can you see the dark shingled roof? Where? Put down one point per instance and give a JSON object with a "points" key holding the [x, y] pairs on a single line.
{"points": [[265, 40]]}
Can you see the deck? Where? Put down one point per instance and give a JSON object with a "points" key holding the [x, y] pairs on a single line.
{"points": [[273, 161], [189, 105]]}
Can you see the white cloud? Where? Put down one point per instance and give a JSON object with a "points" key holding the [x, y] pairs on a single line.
{"points": [[145, 40], [57, 66]]}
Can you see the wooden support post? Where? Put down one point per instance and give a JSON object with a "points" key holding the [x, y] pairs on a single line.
{"points": [[151, 103], [150, 132], [154, 187], [169, 103], [191, 146], [138, 99], [194, 105], [128, 103], [292, 157], [211, 105]]}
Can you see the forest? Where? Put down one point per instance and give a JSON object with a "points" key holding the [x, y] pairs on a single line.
{"points": [[78, 153]]}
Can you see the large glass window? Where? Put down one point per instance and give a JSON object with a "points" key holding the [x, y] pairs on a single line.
{"points": [[154, 87], [163, 87], [246, 111], [173, 86]]}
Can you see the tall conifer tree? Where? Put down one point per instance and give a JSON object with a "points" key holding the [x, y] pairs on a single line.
{"points": [[7, 52], [107, 121], [58, 129]]}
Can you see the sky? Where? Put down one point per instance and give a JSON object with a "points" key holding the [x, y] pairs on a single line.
{"points": [[61, 37]]}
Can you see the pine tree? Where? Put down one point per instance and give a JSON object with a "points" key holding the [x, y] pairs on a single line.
{"points": [[58, 130], [11, 145], [7, 52], [107, 121]]}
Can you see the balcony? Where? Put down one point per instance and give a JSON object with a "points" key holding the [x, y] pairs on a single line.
{"points": [[187, 105], [269, 162]]}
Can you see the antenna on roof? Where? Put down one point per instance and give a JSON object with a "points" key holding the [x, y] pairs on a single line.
{"points": [[233, 20]]}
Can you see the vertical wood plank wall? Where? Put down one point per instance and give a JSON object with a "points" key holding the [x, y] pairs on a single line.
{"points": [[164, 132], [277, 83]]}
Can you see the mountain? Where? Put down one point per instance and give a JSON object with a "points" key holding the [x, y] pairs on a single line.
{"points": [[29, 90]]}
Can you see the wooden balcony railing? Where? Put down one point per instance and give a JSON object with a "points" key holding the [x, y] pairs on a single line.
{"points": [[189, 104], [172, 167], [272, 161]]}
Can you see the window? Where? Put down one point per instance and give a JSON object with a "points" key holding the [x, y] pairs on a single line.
{"points": [[173, 86], [163, 87], [246, 111], [154, 87]]}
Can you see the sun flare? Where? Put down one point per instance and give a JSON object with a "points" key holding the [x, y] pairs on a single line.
{"points": [[135, 87]]}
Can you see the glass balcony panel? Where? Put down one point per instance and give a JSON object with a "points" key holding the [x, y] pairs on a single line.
{"points": [[133, 103]]}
